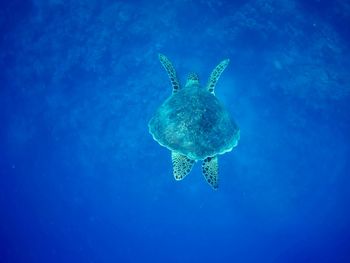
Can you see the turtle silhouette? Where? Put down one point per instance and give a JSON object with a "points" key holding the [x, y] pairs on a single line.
{"points": [[194, 125]]}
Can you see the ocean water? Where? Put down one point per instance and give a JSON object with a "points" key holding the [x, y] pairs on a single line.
{"points": [[82, 180]]}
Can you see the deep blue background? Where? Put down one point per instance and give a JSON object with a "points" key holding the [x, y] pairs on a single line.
{"points": [[81, 180]]}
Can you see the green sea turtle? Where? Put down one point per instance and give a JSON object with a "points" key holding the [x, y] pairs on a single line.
{"points": [[194, 125]]}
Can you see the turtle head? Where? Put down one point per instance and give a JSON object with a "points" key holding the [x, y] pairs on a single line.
{"points": [[192, 79]]}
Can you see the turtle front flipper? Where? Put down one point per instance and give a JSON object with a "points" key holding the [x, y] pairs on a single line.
{"points": [[210, 171], [181, 165], [171, 72], [215, 75]]}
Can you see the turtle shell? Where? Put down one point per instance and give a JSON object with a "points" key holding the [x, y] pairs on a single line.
{"points": [[194, 123]]}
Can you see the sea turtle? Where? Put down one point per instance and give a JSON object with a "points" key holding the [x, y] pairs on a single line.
{"points": [[194, 125]]}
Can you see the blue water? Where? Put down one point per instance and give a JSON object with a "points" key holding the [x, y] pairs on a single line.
{"points": [[82, 180]]}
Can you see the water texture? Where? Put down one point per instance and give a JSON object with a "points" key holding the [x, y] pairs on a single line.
{"points": [[82, 180]]}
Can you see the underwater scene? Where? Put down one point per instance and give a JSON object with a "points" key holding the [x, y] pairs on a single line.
{"points": [[174, 131]]}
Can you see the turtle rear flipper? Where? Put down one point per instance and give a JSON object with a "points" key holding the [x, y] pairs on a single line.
{"points": [[210, 171], [182, 165], [215, 75], [171, 72]]}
